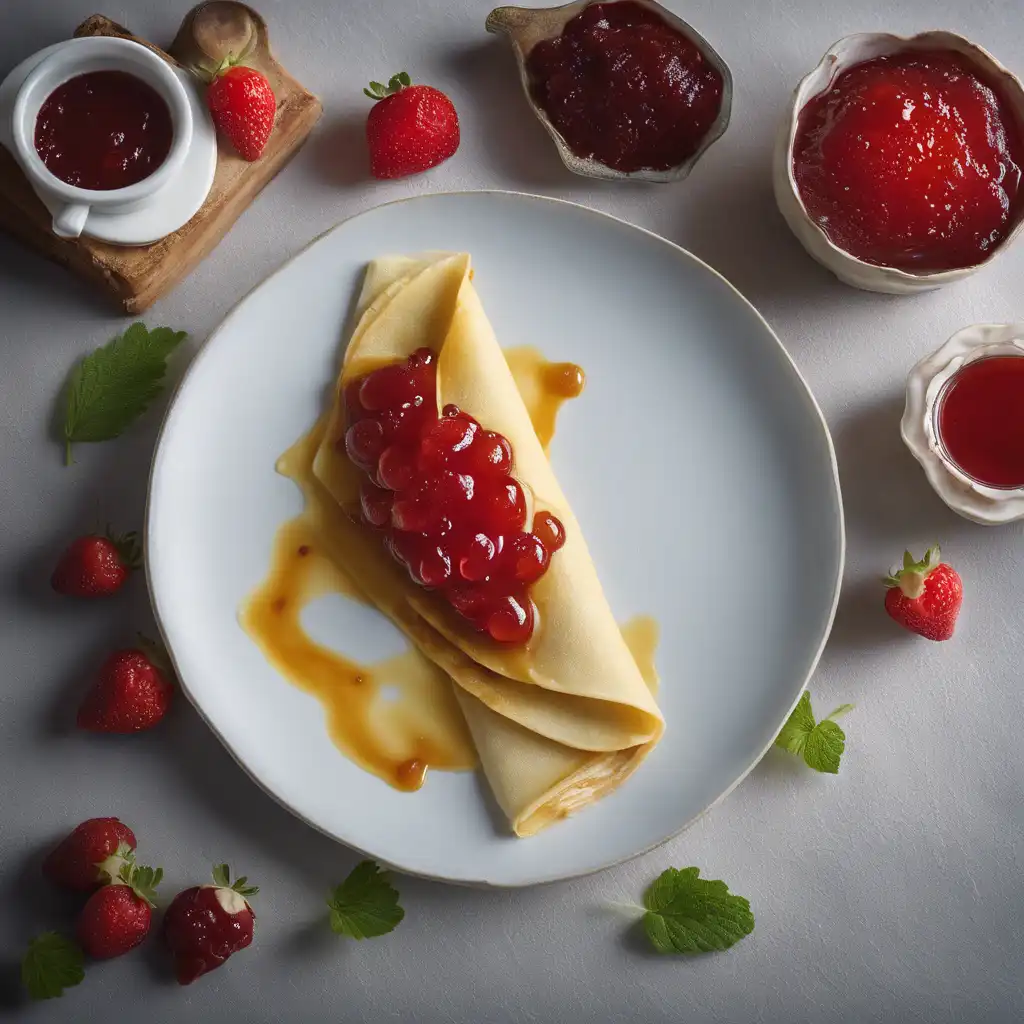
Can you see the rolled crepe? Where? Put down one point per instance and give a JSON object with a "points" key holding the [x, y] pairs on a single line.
{"points": [[563, 720]]}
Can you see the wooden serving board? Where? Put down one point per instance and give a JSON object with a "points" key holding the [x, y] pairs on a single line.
{"points": [[135, 277]]}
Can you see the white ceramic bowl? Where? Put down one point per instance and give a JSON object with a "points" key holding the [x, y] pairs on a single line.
{"points": [[527, 26], [971, 499], [79, 57], [841, 55]]}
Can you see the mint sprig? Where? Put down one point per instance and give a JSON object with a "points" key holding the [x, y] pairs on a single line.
{"points": [[820, 744], [365, 905], [689, 914], [111, 387], [51, 964]]}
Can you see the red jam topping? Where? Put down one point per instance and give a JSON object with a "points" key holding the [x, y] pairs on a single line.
{"points": [[981, 420], [625, 88], [911, 161], [103, 130], [440, 489]]}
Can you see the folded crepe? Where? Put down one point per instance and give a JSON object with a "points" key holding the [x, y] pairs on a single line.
{"points": [[563, 720]]}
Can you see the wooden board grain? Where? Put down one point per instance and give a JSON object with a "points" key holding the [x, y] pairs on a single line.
{"points": [[134, 277]]}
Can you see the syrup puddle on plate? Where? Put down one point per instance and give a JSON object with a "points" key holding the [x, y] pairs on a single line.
{"points": [[398, 717]]}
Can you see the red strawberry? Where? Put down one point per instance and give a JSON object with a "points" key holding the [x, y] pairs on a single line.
{"points": [[91, 855], [95, 566], [243, 107], [117, 917], [131, 693], [411, 129], [925, 596], [204, 925]]}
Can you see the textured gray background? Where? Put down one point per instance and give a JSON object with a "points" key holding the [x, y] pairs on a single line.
{"points": [[895, 888]]}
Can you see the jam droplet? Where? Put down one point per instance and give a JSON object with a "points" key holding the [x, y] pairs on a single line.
{"points": [[911, 160], [624, 87]]}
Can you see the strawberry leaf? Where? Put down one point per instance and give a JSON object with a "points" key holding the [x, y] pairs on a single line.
{"points": [[365, 905], [51, 964], [141, 880], [222, 877], [111, 387]]}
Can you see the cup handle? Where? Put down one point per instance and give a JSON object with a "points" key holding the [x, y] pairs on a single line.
{"points": [[69, 221]]}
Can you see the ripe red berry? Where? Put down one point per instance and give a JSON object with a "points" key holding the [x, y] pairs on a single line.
{"points": [[243, 107], [130, 694], [206, 924], [92, 854], [96, 565], [117, 917], [411, 128], [925, 596]]}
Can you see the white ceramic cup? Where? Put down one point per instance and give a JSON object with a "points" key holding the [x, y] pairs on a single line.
{"points": [[82, 57]]}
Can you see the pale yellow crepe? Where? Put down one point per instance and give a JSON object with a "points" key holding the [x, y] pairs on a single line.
{"points": [[563, 721]]}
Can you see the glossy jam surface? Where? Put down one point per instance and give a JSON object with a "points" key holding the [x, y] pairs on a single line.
{"points": [[103, 130], [980, 420], [624, 87], [911, 161], [441, 490]]}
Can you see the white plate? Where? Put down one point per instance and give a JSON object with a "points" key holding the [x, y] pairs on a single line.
{"points": [[697, 462]]}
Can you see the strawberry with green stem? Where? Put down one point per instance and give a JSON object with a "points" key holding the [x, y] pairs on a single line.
{"points": [[242, 105], [206, 924], [117, 917], [97, 565], [925, 596], [91, 855], [410, 129]]}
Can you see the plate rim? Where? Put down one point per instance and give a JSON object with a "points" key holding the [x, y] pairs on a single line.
{"points": [[202, 352]]}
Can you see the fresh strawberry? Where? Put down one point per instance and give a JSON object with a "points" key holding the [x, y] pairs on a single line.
{"points": [[117, 917], [243, 107], [204, 925], [131, 693], [411, 129], [91, 855], [96, 566], [925, 596]]}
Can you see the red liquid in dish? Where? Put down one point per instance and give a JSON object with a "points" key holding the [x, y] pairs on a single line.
{"points": [[625, 88], [103, 130], [911, 161], [440, 489], [981, 420]]}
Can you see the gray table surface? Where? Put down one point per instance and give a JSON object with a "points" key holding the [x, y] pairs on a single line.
{"points": [[894, 888]]}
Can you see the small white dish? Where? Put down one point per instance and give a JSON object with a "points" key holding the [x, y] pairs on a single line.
{"points": [[990, 506], [840, 56], [527, 26], [763, 482], [146, 211]]}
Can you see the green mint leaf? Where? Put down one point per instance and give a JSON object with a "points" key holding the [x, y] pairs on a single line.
{"points": [[798, 726], [821, 744], [690, 914], [825, 747], [365, 905], [114, 385], [51, 964]]}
